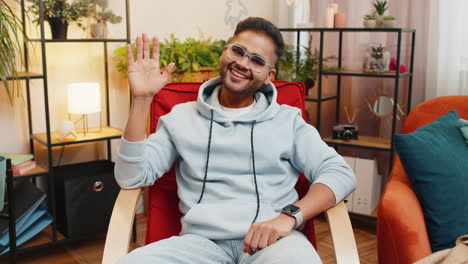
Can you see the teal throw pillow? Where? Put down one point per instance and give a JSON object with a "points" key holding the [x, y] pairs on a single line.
{"points": [[464, 129], [435, 158]]}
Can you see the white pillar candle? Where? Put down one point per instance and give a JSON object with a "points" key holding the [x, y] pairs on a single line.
{"points": [[328, 17], [334, 6]]}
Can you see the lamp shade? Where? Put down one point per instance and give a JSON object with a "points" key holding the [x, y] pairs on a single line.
{"points": [[84, 98]]}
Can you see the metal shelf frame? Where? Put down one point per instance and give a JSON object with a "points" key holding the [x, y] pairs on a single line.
{"points": [[14, 250], [396, 75]]}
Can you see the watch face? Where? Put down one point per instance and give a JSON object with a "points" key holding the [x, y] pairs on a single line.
{"points": [[291, 209]]}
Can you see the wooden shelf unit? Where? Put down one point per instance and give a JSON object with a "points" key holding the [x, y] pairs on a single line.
{"points": [[321, 95], [362, 142], [51, 236], [39, 170], [93, 134]]}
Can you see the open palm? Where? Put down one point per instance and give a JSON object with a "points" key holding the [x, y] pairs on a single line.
{"points": [[144, 74]]}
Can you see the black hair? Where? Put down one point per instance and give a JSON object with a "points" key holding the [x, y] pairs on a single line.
{"points": [[258, 24]]}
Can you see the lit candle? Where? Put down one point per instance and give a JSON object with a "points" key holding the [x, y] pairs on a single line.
{"points": [[328, 17], [340, 20], [334, 6]]}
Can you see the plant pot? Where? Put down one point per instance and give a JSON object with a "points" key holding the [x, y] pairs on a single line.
{"points": [[372, 64], [379, 21], [309, 84], [370, 23], [389, 23], [203, 74], [98, 30], [58, 28]]}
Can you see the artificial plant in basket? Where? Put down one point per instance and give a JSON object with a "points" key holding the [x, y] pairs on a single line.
{"points": [[60, 13], [102, 15]]}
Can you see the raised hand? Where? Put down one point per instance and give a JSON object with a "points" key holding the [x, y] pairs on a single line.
{"points": [[144, 74]]}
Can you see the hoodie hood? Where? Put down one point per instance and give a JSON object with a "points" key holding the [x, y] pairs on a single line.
{"points": [[265, 107]]}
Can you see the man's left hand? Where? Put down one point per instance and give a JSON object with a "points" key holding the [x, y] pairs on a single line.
{"points": [[263, 234]]}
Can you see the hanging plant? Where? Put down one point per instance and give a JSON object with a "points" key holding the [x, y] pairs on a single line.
{"points": [[12, 35]]}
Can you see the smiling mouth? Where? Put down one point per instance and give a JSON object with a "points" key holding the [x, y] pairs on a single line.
{"points": [[238, 74]]}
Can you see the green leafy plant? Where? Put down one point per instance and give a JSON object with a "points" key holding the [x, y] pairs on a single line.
{"points": [[369, 16], [65, 11], [380, 6], [188, 56], [389, 18], [12, 35], [305, 69], [377, 51], [103, 14]]}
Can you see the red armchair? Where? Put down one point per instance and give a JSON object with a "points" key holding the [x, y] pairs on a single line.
{"points": [[163, 216], [401, 230]]}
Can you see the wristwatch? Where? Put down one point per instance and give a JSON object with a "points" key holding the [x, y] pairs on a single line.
{"points": [[295, 212]]}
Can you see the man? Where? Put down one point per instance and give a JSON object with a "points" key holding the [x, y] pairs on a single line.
{"points": [[238, 156]]}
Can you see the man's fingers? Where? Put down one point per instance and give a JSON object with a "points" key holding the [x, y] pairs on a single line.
{"points": [[156, 49], [273, 239], [146, 49], [254, 243], [139, 48], [247, 241], [168, 71], [264, 240], [130, 59]]}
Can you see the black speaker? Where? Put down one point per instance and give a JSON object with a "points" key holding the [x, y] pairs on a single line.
{"points": [[85, 194]]}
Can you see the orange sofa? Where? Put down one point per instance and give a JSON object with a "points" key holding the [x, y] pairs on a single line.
{"points": [[401, 230]]}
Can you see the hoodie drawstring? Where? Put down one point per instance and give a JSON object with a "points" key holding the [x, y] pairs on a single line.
{"points": [[254, 172], [253, 165], [207, 157]]}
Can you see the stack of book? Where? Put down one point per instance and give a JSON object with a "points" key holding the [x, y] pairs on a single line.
{"points": [[21, 163], [31, 217]]}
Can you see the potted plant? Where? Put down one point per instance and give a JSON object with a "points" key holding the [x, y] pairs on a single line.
{"points": [[12, 33], [195, 59], [369, 21], [102, 15], [380, 7], [60, 13], [306, 69], [377, 59], [389, 22]]}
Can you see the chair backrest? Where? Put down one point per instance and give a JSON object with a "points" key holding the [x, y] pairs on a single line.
{"points": [[163, 218]]}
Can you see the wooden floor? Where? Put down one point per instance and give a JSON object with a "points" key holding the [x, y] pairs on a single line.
{"points": [[89, 251]]}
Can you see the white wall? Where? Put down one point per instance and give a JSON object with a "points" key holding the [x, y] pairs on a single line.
{"points": [[186, 18], [72, 62]]}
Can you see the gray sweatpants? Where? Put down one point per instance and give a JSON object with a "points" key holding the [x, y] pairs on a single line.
{"points": [[294, 248]]}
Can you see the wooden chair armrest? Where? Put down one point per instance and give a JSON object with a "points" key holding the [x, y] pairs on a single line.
{"points": [[120, 226], [342, 234]]}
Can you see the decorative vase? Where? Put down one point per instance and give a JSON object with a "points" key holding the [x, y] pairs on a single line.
{"points": [[370, 23], [377, 59], [58, 28], [389, 23], [98, 30], [379, 21]]}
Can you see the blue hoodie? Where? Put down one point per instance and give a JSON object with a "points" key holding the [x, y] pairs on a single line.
{"points": [[272, 138]]}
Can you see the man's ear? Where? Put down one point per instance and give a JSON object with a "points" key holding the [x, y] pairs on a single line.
{"points": [[271, 76]]}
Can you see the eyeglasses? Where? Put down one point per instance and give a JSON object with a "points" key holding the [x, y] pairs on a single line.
{"points": [[256, 63]]}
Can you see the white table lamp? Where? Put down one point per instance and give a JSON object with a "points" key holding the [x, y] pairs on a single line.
{"points": [[84, 99]]}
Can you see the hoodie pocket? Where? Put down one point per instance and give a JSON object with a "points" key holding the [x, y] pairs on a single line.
{"points": [[226, 219]]}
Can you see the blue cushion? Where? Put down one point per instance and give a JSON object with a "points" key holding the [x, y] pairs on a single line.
{"points": [[464, 129], [435, 158]]}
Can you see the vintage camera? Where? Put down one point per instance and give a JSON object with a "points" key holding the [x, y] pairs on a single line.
{"points": [[345, 131]]}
